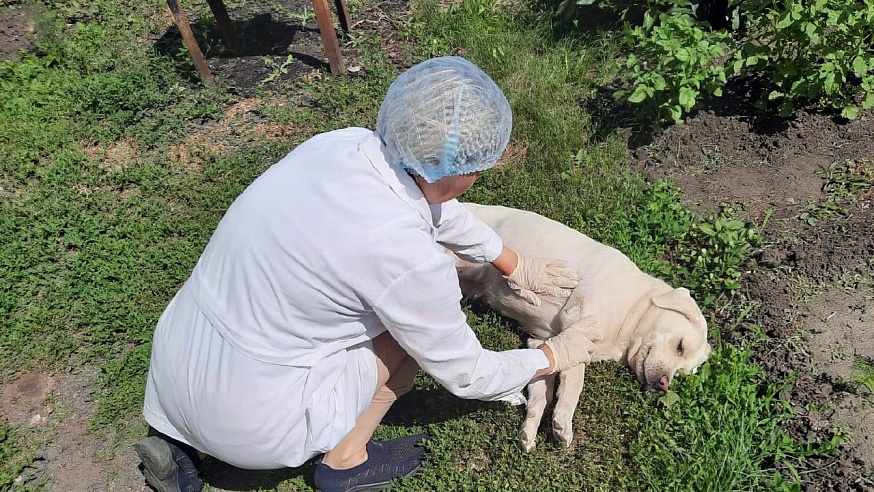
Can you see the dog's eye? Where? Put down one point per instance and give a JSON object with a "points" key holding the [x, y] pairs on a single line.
{"points": [[680, 348]]}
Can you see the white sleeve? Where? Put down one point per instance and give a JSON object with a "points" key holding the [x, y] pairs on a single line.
{"points": [[421, 309], [464, 234]]}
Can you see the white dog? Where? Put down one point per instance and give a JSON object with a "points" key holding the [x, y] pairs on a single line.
{"points": [[631, 316]]}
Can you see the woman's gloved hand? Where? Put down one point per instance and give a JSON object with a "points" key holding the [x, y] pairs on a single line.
{"points": [[534, 276], [568, 349]]}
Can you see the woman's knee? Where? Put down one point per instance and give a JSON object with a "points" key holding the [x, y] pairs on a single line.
{"points": [[389, 355], [399, 383]]}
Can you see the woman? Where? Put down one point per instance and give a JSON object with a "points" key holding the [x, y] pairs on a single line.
{"points": [[326, 286]]}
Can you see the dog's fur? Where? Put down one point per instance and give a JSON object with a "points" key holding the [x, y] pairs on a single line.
{"points": [[632, 317]]}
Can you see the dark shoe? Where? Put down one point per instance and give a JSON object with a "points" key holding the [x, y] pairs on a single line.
{"points": [[406, 444], [166, 467], [386, 460]]}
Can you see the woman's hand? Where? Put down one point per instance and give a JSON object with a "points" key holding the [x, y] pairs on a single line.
{"points": [[568, 349], [565, 350], [529, 276]]}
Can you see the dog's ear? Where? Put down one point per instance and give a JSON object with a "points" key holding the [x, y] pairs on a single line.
{"points": [[679, 300]]}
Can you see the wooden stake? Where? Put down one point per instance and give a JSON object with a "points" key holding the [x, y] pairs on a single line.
{"points": [[329, 36], [343, 14], [191, 43], [226, 26]]}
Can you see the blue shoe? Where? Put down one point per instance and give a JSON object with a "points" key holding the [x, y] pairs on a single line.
{"points": [[386, 460], [167, 468]]}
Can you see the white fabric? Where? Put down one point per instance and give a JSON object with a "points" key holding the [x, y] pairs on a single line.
{"points": [[263, 359]]}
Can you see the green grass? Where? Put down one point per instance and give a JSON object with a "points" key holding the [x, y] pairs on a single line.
{"points": [[842, 188], [16, 455], [103, 226], [865, 374]]}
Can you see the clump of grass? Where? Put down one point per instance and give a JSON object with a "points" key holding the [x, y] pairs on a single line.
{"points": [[15, 458], [865, 374], [721, 430], [85, 261], [844, 187]]}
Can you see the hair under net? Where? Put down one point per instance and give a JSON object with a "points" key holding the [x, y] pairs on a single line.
{"points": [[444, 117]]}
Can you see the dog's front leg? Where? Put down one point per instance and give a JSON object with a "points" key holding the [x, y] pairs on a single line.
{"points": [[540, 393], [570, 387]]}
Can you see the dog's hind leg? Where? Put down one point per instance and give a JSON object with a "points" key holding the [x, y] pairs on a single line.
{"points": [[540, 393], [570, 387]]}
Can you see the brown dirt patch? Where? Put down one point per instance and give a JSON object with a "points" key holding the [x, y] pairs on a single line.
{"points": [[17, 29], [813, 285], [53, 409], [114, 157], [280, 42]]}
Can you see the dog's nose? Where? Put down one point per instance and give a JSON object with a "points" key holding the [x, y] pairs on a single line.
{"points": [[664, 383]]}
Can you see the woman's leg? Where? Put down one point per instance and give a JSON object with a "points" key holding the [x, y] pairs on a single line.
{"points": [[397, 371]]}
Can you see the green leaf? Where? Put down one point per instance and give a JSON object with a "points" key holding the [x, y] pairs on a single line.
{"points": [[676, 114], [785, 20], [707, 229], [850, 112], [658, 82], [687, 98], [734, 225], [785, 108], [860, 67], [639, 95], [738, 65], [868, 103], [669, 399]]}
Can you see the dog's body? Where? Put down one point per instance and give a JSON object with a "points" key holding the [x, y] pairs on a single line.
{"points": [[631, 316]]}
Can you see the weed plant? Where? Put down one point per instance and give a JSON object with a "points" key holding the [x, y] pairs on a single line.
{"points": [[816, 52]]}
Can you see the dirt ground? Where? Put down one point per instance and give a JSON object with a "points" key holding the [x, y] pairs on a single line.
{"points": [[17, 29], [813, 286], [280, 42]]}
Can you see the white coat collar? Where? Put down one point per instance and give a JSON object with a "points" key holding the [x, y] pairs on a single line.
{"points": [[397, 179]]}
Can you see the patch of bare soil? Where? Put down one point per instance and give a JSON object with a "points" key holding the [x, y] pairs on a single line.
{"points": [[53, 410], [280, 42], [813, 285], [17, 29]]}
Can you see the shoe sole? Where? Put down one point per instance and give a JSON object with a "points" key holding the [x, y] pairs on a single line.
{"points": [[373, 487], [158, 466]]}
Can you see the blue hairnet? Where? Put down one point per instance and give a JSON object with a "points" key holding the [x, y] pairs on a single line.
{"points": [[444, 117]]}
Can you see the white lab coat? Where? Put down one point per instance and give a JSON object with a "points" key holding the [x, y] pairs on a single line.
{"points": [[263, 358]]}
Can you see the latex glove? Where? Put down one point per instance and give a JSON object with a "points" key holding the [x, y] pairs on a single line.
{"points": [[544, 276], [570, 348]]}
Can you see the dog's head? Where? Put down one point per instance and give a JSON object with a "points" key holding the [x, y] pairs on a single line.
{"points": [[670, 337]]}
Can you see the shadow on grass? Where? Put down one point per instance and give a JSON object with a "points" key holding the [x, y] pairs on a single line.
{"points": [[259, 36], [221, 475]]}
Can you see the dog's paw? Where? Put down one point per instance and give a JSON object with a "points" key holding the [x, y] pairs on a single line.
{"points": [[526, 442], [563, 433]]}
